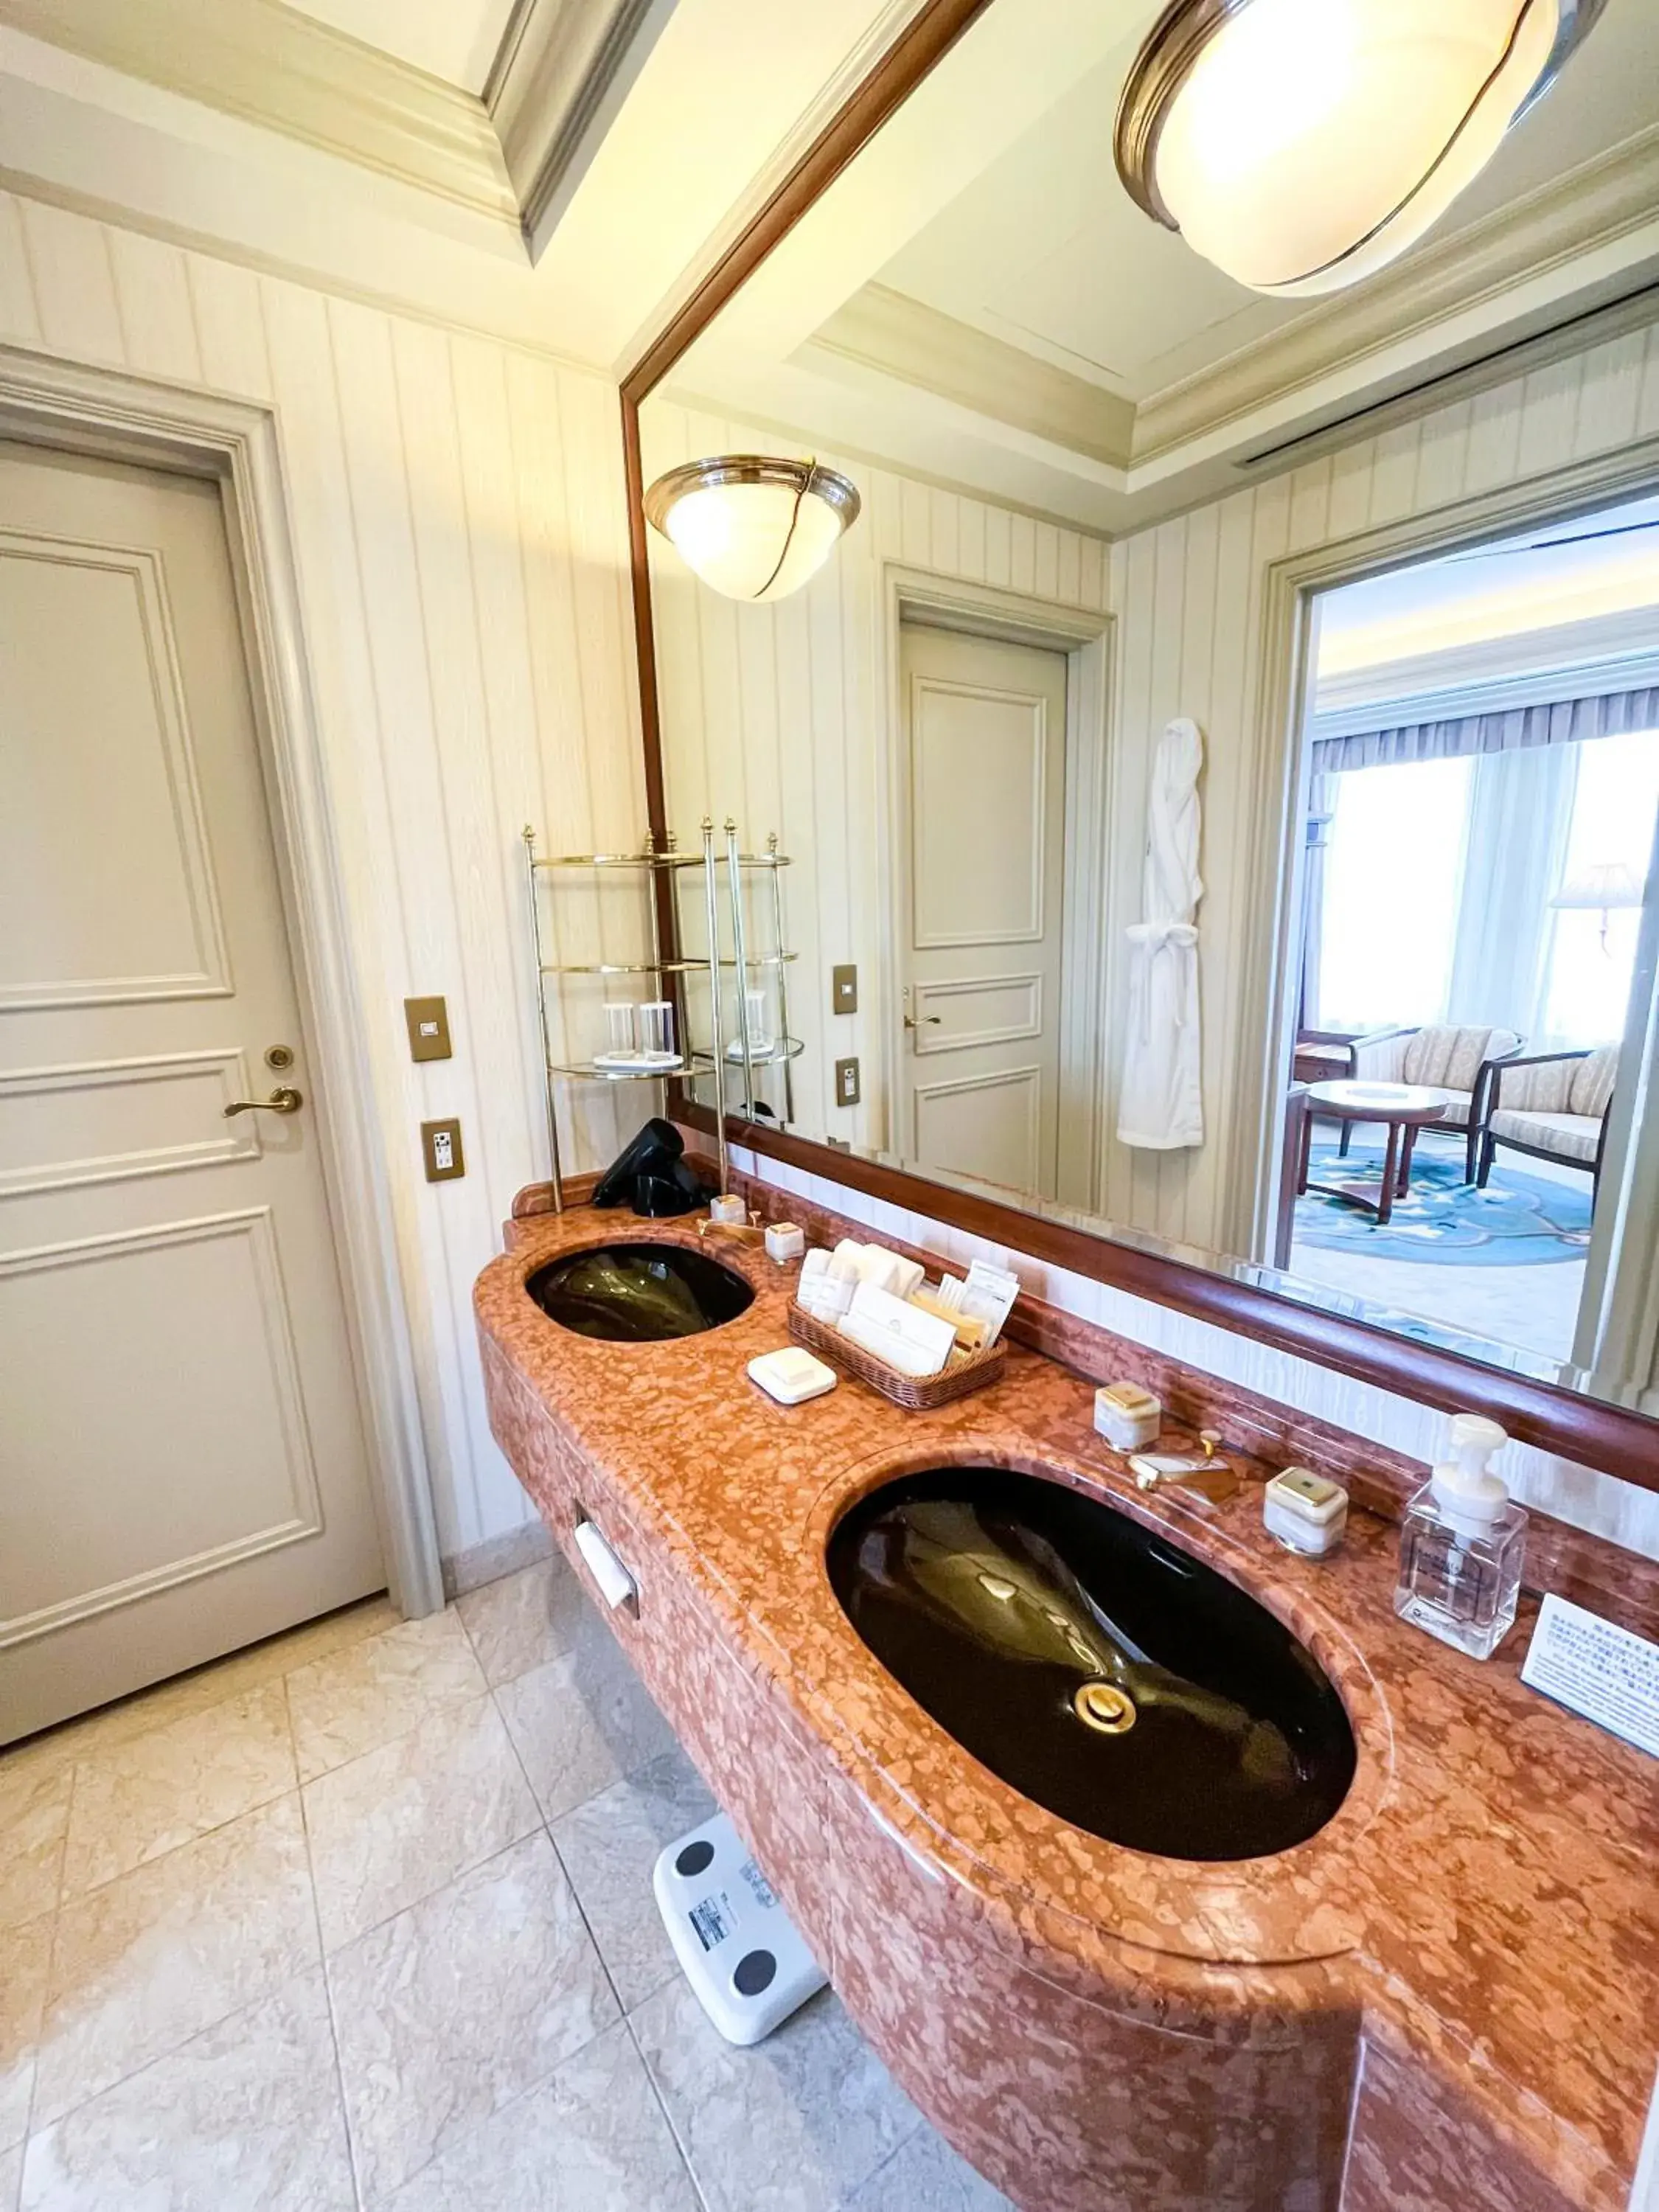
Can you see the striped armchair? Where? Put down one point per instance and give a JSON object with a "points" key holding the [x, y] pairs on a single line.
{"points": [[1554, 1106], [1463, 1062]]}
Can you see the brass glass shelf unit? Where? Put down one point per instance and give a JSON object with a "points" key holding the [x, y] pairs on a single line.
{"points": [[755, 1042]]}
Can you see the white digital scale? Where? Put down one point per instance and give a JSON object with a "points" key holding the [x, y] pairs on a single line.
{"points": [[736, 1945]]}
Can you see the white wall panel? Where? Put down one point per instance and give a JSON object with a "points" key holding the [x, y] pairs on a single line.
{"points": [[459, 521]]}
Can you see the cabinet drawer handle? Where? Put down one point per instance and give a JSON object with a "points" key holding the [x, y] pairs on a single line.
{"points": [[618, 1587]]}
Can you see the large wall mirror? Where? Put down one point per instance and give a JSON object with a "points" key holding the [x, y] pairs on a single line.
{"points": [[1213, 734]]}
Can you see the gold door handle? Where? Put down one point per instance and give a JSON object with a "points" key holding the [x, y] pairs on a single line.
{"points": [[911, 1022], [284, 1099]]}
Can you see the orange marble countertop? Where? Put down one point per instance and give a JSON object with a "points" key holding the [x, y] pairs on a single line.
{"points": [[1485, 1898]]}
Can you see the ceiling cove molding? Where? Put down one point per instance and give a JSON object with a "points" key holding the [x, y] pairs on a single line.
{"points": [[269, 64], [1596, 206], [860, 64], [558, 81], [899, 336], [1502, 363], [1614, 652], [849, 455]]}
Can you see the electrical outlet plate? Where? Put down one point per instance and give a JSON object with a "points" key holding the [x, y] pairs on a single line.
{"points": [[429, 1029], [441, 1146], [844, 990], [846, 1083]]}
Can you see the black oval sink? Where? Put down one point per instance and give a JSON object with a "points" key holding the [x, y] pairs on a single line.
{"points": [[639, 1293], [1100, 1670]]}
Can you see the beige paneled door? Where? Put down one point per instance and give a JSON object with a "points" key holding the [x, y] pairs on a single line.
{"points": [[981, 905], [182, 1456]]}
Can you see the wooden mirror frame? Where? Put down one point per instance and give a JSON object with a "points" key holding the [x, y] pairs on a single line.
{"points": [[1594, 1432]]}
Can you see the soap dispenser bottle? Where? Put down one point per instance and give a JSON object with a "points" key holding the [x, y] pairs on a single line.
{"points": [[1463, 1545]]}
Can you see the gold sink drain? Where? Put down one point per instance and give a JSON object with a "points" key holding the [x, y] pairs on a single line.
{"points": [[1103, 1708]]}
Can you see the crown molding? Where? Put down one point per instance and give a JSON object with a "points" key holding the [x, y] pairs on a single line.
{"points": [[1601, 653], [558, 81], [269, 64], [856, 68], [1596, 206], [894, 335]]}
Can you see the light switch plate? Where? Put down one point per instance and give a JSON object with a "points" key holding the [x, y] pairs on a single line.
{"points": [[844, 990], [429, 1029], [846, 1083], [441, 1146]]}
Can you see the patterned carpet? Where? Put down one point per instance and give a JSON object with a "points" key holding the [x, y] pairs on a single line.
{"points": [[1519, 1220]]}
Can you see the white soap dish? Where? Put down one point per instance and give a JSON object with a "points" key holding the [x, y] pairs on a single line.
{"points": [[738, 1948], [791, 1375]]}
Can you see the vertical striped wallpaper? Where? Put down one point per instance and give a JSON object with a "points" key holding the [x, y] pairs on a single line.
{"points": [[458, 515]]}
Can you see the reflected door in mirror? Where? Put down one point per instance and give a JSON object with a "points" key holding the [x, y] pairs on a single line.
{"points": [[984, 760]]}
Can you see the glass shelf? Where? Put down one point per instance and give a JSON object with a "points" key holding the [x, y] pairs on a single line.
{"points": [[664, 967], [787, 1049], [627, 968], [588, 1073]]}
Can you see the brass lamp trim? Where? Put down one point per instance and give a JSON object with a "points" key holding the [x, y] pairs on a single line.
{"points": [[1104, 1708], [1175, 43], [802, 478]]}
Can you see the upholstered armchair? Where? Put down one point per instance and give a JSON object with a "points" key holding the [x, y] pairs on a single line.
{"points": [[1461, 1060], [1554, 1106]]}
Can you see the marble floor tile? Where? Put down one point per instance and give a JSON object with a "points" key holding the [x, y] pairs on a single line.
{"points": [[609, 1847], [397, 1824], [524, 1619], [34, 1813], [209, 1686], [592, 2139], [158, 1955], [925, 2175], [11, 2178], [133, 1802], [450, 2010], [25, 1958], [795, 2124], [582, 1722], [245, 2115], [378, 1688]]}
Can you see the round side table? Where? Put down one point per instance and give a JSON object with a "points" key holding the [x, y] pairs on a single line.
{"points": [[1405, 1108]]}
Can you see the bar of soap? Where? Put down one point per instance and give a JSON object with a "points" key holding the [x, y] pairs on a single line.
{"points": [[791, 1375]]}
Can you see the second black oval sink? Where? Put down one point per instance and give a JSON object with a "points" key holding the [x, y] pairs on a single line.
{"points": [[639, 1293], [1103, 1672]]}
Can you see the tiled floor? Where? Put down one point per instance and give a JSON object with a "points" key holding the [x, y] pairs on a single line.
{"points": [[362, 1919]]}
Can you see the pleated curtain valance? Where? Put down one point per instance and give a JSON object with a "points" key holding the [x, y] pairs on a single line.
{"points": [[1547, 722]]}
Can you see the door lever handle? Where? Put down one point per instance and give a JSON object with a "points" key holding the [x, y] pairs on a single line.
{"points": [[284, 1099], [911, 1022]]}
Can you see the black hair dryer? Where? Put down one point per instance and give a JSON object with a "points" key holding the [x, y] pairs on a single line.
{"points": [[650, 1174]]}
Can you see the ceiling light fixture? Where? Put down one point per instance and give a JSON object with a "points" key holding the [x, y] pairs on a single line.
{"points": [[751, 527], [1302, 144]]}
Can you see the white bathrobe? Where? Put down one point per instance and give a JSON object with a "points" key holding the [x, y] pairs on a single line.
{"points": [[1161, 1106]]}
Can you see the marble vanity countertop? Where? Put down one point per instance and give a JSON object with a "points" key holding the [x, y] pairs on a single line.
{"points": [[1486, 1899]]}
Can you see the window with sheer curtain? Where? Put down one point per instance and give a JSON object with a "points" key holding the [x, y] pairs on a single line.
{"points": [[1438, 881]]}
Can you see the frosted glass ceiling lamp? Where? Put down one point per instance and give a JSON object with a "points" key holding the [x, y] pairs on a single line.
{"points": [[751, 526], [1302, 144]]}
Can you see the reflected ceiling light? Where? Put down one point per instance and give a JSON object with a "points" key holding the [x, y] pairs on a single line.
{"points": [[1301, 144], [752, 527]]}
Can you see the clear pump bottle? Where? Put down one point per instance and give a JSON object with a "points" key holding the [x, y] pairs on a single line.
{"points": [[1463, 1545]]}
